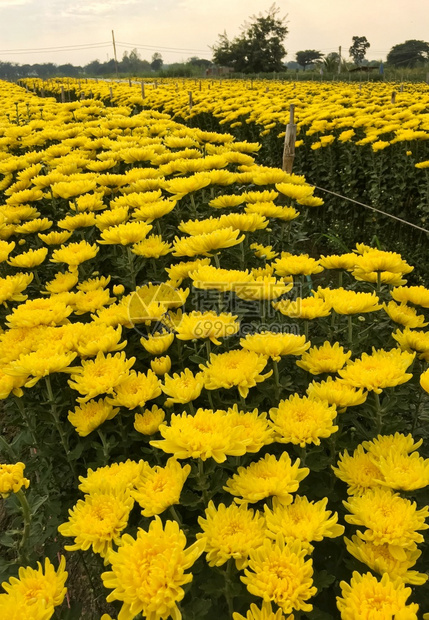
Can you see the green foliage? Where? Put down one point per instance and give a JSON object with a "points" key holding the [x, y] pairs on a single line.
{"points": [[358, 50], [408, 54], [307, 57], [258, 49]]}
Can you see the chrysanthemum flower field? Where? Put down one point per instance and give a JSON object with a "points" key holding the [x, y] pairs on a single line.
{"points": [[205, 412]]}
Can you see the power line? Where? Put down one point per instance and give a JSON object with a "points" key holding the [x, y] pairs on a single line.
{"points": [[55, 48], [161, 47]]}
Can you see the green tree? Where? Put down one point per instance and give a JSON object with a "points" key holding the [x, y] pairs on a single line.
{"points": [[408, 54], [358, 50], [258, 49], [307, 57], [157, 62]]}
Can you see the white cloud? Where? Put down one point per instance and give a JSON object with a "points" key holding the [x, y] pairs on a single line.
{"points": [[13, 3]]}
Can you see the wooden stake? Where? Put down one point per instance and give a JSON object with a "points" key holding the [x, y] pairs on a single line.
{"points": [[142, 89], [393, 99], [191, 103], [63, 95], [289, 144]]}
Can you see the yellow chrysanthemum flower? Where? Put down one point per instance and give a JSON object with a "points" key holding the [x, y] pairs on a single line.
{"points": [[12, 478], [125, 234], [275, 345], [289, 264], [350, 302], [5, 249], [89, 416], [303, 308], [263, 287], [404, 472], [226, 201], [238, 368], [75, 253], [208, 277], [40, 363], [271, 210], [379, 260], [380, 370], [303, 521], [91, 339], [264, 613], [148, 422], [152, 247], [341, 261], [201, 325], [135, 390], [389, 519], [411, 340], [41, 311], [263, 251], [251, 427], [55, 237], [180, 271], [62, 282], [279, 572], [97, 521], [11, 287], [182, 388], [230, 532], [405, 315], [157, 488], [207, 434], [337, 393], [14, 606], [302, 420], [74, 222], [161, 365], [100, 376], [268, 477], [366, 597], [160, 555], [29, 259], [326, 358], [379, 559], [206, 243], [157, 343], [359, 471], [417, 295], [114, 478], [382, 445], [41, 584]]}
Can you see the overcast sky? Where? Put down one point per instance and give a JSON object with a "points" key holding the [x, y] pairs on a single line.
{"points": [[179, 29]]}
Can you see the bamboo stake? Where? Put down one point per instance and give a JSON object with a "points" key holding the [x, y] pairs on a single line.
{"points": [[289, 143]]}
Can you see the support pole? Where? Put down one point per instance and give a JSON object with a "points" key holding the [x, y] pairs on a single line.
{"points": [[289, 144]]}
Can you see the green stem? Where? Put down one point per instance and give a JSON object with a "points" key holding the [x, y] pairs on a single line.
{"points": [[202, 481], [27, 420], [242, 402], [378, 282], [210, 398], [208, 348], [175, 515], [130, 262], [306, 325], [105, 445], [340, 279], [228, 582], [349, 330], [302, 454], [6, 449], [216, 260], [58, 425], [416, 412], [194, 206], [191, 408], [276, 378], [26, 513], [123, 434], [378, 413]]}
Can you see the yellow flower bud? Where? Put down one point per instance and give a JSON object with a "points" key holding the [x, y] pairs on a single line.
{"points": [[118, 289], [148, 422], [161, 365]]}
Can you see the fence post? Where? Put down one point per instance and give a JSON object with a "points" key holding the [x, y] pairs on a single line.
{"points": [[63, 95], [393, 99], [289, 143]]}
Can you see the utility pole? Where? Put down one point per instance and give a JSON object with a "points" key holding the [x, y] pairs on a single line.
{"points": [[114, 53], [339, 56]]}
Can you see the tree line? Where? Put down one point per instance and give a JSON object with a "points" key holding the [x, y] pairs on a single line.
{"points": [[258, 49]]}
